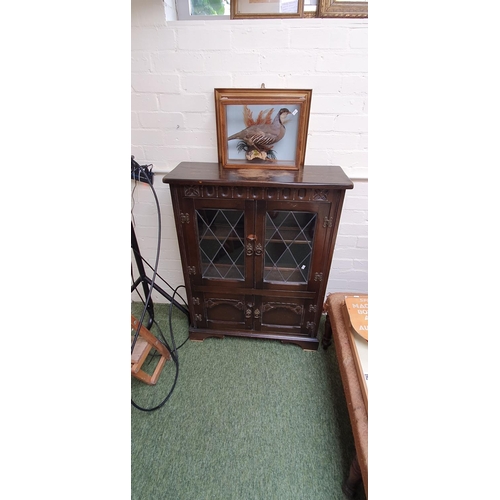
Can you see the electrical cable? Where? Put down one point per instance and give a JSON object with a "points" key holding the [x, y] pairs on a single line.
{"points": [[163, 340], [161, 278], [173, 350], [155, 267], [133, 203], [176, 362], [173, 354], [170, 319]]}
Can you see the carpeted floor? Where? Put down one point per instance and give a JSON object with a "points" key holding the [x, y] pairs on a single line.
{"points": [[247, 420]]}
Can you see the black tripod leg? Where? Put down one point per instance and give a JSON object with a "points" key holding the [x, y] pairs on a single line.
{"points": [[142, 279]]}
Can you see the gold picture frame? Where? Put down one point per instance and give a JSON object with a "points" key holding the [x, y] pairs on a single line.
{"points": [[338, 8], [262, 128]]}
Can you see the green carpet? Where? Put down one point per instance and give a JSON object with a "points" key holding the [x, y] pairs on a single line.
{"points": [[248, 420]]}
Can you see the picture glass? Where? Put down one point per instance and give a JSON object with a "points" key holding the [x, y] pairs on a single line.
{"points": [[263, 131], [267, 6]]}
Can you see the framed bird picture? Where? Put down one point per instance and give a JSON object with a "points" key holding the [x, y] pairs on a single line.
{"points": [[262, 128]]}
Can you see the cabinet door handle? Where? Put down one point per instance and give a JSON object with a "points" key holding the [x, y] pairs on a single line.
{"points": [[250, 244], [248, 312]]}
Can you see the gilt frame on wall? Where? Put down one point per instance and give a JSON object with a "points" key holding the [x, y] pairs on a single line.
{"points": [[338, 8], [262, 128]]}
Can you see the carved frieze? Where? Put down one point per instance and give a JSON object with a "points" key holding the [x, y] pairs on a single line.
{"points": [[192, 190], [320, 195], [295, 308], [210, 192], [256, 193], [217, 302]]}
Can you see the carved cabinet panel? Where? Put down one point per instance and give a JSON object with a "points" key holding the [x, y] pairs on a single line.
{"points": [[256, 248], [222, 311]]}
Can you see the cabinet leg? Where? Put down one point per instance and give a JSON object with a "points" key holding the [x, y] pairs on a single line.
{"points": [[327, 334], [351, 483]]}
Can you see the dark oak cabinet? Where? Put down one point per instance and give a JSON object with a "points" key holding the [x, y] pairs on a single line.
{"points": [[256, 247]]}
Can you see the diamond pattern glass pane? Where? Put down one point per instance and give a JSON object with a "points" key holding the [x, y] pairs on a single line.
{"points": [[221, 238], [288, 248]]}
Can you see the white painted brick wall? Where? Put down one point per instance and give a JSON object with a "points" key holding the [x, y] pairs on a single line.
{"points": [[177, 64]]}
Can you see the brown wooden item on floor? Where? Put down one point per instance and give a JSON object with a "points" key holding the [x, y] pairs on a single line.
{"points": [[145, 342], [338, 326]]}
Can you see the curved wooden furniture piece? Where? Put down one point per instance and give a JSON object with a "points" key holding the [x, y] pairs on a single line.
{"points": [[338, 326]]}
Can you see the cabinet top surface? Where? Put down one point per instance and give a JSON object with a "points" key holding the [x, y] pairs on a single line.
{"points": [[212, 173]]}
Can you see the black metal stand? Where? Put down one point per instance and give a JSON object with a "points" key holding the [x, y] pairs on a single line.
{"points": [[147, 283]]}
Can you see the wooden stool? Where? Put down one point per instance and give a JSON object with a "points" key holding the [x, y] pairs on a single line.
{"points": [[145, 342]]}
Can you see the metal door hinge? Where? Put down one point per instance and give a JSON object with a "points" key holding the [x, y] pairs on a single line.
{"points": [[328, 222], [184, 218], [318, 277], [191, 270]]}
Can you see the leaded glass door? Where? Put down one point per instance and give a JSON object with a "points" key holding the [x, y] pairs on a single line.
{"points": [[221, 235], [222, 243], [289, 245]]}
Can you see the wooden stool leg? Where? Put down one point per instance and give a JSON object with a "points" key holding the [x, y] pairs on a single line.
{"points": [[351, 483]]}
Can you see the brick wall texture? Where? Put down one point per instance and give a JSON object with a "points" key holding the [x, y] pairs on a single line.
{"points": [[177, 64]]}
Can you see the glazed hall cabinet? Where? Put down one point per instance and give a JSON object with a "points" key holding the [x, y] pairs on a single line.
{"points": [[256, 248]]}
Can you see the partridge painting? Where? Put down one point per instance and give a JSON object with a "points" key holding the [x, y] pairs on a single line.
{"points": [[260, 135]]}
